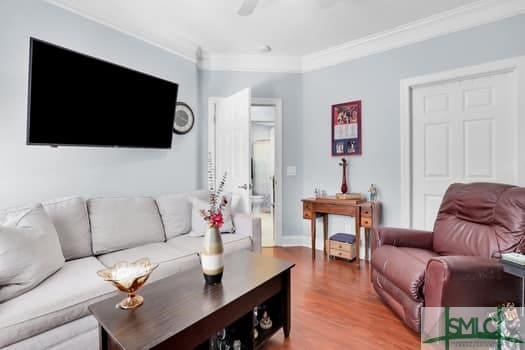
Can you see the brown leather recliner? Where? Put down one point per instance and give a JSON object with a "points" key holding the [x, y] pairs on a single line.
{"points": [[458, 263]]}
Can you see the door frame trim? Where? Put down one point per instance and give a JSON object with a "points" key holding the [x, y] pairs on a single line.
{"points": [[278, 156], [516, 65]]}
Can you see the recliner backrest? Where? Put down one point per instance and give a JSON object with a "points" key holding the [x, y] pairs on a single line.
{"points": [[481, 219]]}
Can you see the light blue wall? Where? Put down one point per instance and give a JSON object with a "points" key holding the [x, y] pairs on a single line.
{"points": [[375, 80], [33, 173], [288, 87], [36, 173]]}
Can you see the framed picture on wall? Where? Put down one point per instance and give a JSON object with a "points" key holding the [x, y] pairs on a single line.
{"points": [[346, 129]]}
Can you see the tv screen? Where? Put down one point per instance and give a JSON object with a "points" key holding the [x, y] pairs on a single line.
{"points": [[78, 100]]}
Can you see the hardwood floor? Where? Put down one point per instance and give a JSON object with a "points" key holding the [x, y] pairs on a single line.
{"points": [[334, 306]]}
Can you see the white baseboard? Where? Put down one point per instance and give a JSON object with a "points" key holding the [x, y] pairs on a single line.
{"points": [[294, 241]]}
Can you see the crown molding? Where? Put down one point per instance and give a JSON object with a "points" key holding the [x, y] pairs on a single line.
{"points": [[251, 63], [184, 48], [461, 18], [465, 17]]}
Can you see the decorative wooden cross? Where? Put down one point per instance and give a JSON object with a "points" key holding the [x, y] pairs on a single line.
{"points": [[344, 186]]}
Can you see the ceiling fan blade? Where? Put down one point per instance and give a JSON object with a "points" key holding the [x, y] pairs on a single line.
{"points": [[247, 7]]}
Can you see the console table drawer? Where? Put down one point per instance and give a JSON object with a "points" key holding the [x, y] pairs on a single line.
{"points": [[366, 211], [366, 222], [307, 210]]}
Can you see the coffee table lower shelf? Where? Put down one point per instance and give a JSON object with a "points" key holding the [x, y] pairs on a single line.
{"points": [[244, 330]]}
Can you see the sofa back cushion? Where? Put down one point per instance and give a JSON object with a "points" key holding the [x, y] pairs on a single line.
{"points": [[481, 219], [29, 251], [70, 217], [120, 223], [175, 210]]}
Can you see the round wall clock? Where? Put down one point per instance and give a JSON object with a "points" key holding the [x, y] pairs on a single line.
{"points": [[184, 119]]}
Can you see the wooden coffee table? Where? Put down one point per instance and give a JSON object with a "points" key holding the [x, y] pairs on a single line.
{"points": [[182, 312]]}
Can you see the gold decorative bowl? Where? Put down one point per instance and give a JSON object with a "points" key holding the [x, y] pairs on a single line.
{"points": [[128, 278]]}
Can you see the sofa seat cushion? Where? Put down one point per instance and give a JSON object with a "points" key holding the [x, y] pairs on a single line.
{"points": [[81, 334], [170, 259], [235, 242], [232, 243], [62, 298], [120, 223], [403, 267]]}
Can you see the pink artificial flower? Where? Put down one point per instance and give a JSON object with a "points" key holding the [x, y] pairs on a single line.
{"points": [[216, 220]]}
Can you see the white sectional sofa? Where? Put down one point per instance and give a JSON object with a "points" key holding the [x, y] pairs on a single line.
{"points": [[97, 233]]}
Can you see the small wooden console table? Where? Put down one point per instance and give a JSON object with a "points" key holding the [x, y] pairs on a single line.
{"points": [[367, 215]]}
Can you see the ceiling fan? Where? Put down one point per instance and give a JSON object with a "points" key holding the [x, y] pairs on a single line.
{"points": [[248, 6]]}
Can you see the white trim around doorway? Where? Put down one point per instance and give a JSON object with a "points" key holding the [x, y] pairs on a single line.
{"points": [[516, 65]]}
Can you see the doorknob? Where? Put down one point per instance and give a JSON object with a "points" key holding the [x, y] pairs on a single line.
{"points": [[245, 186]]}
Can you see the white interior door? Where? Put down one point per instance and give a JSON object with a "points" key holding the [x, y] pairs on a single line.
{"points": [[462, 131], [232, 147]]}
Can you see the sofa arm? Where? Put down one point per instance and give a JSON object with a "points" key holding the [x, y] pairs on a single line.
{"points": [[469, 281], [251, 226], [401, 237]]}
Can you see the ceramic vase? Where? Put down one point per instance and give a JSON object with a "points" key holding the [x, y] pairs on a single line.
{"points": [[212, 256]]}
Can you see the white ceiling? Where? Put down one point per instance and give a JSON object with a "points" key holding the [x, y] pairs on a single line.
{"points": [[293, 28], [290, 27]]}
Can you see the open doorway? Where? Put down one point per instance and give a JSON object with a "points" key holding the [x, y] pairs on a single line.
{"points": [[263, 168], [245, 140]]}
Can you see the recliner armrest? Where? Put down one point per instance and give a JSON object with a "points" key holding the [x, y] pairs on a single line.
{"points": [[251, 226], [469, 281], [401, 237]]}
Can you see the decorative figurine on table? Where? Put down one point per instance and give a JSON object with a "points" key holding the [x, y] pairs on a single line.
{"points": [[372, 193], [344, 186], [219, 341], [266, 322]]}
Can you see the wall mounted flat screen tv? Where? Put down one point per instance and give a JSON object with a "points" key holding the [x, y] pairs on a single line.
{"points": [[77, 100]]}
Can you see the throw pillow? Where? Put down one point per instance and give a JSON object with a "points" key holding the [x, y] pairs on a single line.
{"points": [[30, 251], [199, 226]]}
